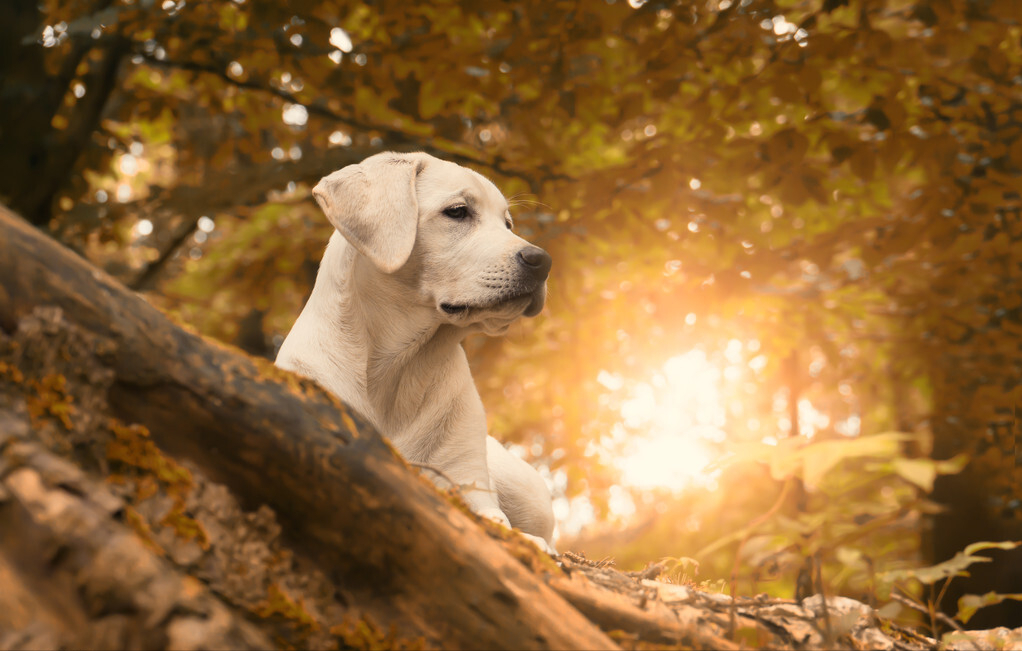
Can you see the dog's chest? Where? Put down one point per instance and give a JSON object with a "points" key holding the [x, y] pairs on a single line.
{"points": [[422, 410]]}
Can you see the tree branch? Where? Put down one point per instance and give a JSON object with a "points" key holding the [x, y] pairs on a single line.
{"points": [[397, 138], [146, 279]]}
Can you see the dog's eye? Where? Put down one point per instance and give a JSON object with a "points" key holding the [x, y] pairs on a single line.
{"points": [[457, 212], [508, 224]]}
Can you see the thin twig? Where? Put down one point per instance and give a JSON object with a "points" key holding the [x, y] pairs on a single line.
{"points": [[823, 600], [926, 611], [935, 606], [447, 478], [146, 279], [580, 558], [741, 545], [439, 472]]}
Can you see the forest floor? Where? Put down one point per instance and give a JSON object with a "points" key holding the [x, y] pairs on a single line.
{"points": [[640, 612]]}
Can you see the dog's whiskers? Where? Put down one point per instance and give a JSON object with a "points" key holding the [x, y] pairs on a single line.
{"points": [[515, 201]]}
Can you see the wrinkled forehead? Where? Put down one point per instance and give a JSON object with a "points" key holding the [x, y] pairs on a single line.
{"points": [[441, 184]]}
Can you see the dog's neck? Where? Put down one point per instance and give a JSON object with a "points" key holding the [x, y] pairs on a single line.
{"points": [[372, 332]]}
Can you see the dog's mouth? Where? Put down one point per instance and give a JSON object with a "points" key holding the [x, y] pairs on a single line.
{"points": [[534, 306]]}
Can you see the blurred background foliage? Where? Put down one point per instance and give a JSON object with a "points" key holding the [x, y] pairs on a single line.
{"points": [[782, 230]]}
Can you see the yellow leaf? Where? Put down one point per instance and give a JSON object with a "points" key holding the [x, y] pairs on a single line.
{"points": [[970, 603], [920, 472], [863, 162]]}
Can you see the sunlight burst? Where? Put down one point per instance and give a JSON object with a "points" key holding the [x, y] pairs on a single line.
{"points": [[682, 411]]}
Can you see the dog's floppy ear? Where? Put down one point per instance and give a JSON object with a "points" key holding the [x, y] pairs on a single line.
{"points": [[373, 205]]}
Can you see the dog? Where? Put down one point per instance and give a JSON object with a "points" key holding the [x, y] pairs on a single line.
{"points": [[422, 255]]}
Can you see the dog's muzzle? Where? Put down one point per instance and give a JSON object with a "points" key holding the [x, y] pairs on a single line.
{"points": [[533, 268]]}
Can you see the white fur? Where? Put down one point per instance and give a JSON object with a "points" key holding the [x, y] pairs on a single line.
{"points": [[376, 333]]}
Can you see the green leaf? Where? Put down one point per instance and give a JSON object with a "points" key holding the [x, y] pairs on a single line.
{"points": [[818, 459], [955, 566], [970, 603]]}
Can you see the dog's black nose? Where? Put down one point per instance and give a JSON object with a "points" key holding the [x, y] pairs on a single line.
{"points": [[536, 261]]}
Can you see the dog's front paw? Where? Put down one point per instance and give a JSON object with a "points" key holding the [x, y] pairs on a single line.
{"points": [[541, 543], [496, 515]]}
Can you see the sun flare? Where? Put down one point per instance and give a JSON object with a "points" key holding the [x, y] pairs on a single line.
{"points": [[672, 422], [679, 411]]}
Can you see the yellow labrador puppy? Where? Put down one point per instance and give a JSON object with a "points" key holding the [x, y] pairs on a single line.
{"points": [[422, 255]]}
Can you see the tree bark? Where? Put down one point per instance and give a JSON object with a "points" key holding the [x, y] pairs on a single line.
{"points": [[60, 540], [344, 498]]}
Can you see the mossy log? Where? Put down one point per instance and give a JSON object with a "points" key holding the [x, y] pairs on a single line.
{"points": [[345, 501]]}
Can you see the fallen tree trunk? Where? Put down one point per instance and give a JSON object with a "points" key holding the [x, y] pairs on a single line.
{"points": [[345, 500], [60, 542], [161, 491]]}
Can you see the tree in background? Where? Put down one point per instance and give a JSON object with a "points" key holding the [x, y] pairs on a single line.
{"points": [[836, 181]]}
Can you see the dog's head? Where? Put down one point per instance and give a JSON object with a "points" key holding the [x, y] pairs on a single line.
{"points": [[443, 232]]}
